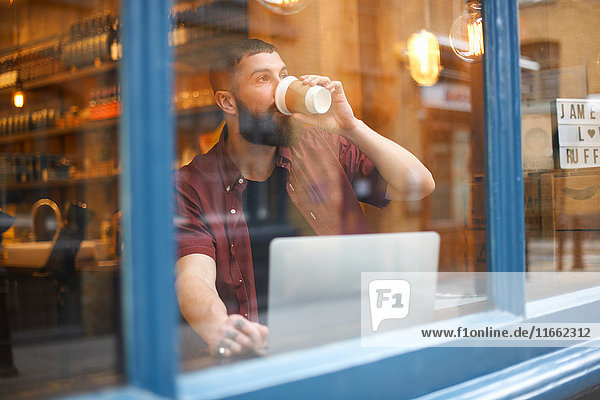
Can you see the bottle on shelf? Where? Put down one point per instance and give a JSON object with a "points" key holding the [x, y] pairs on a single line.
{"points": [[116, 48]]}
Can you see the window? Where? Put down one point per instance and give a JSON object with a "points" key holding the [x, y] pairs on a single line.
{"points": [[221, 193], [560, 173], [148, 149], [60, 302]]}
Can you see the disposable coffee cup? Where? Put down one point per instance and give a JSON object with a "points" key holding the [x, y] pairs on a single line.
{"points": [[293, 96]]}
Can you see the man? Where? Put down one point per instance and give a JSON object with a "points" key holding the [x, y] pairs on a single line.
{"points": [[328, 163]]}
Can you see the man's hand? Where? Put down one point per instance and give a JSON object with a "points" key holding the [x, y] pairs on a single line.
{"points": [[201, 306], [340, 117], [237, 335], [406, 176]]}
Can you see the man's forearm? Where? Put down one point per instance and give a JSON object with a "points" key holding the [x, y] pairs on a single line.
{"points": [[406, 176], [200, 304]]}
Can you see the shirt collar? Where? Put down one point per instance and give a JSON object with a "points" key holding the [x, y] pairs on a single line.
{"points": [[230, 172]]}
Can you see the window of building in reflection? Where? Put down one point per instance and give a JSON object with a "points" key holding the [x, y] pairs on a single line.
{"points": [[560, 102], [560, 86], [59, 208], [233, 201]]}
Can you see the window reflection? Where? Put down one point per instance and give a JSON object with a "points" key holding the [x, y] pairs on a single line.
{"points": [[59, 168], [230, 207], [559, 61]]}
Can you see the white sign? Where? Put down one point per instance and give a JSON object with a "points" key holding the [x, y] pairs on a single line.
{"points": [[579, 157], [579, 135], [578, 122], [577, 112]]}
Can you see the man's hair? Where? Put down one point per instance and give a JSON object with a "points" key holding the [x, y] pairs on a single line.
{"points": [[225, 60]]}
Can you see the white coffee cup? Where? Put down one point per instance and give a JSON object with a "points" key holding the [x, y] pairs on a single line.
{"points": [[293, 96]]}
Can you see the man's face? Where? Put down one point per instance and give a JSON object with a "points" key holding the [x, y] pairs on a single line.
{"points": [[259, 120]]}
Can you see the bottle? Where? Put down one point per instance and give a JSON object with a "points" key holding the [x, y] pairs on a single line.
{"points": [[116, 51], [293, 96]]}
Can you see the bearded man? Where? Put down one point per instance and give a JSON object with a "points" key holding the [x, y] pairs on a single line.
{"points": [[323, 164]]}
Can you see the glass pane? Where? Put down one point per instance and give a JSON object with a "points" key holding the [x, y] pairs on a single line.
{"points": [[560, 67], [249, 185], [59, 169]]}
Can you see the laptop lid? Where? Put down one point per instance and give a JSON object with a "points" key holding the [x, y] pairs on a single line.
{"points": [[315, 283]]}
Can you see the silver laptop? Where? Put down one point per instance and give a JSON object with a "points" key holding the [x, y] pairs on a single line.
{"points": [[315, 283]]}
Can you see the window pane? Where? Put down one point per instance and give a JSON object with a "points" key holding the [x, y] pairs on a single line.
{"points": [[561, 106], [252, 186], [59, 163]]}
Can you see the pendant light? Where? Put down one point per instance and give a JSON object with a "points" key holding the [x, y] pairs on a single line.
{"points": [[18, 95], [466, 34], [423, 51]]}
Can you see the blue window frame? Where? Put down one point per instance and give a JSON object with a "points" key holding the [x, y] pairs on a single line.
{"points": [[333, 370]]}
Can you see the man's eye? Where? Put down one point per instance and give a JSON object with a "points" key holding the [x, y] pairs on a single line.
{"points": [[284, 75], [263, 78]]}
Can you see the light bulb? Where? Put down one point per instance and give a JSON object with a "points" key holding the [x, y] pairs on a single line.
{"points": [[285, 7], [423, 51], [466, 34], [19, 98]]}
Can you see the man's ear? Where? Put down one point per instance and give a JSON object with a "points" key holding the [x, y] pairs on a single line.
{"points": [[226, 102]]}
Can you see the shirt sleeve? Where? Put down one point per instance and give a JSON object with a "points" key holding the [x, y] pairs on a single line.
{"points": [[369, 186], [193, 234]]}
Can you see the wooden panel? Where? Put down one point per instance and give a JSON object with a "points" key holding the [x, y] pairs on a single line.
{"points": [[533, 204], [477, 217], [477, 250], [453, 249], [578, 250], [577, 202]]}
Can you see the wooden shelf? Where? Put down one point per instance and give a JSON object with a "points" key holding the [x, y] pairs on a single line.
{"points": [[195, 54], [86, 127], [59, 183], [46, 133], [94, 125], [63, 77]]}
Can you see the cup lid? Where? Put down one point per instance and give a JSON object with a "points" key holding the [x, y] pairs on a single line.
{"points": [[318, 100]]}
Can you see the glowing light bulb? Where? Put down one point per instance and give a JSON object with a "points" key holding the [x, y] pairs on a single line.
{"points": [[285, 7], [423, 51], [19, 98], [466, 35]]}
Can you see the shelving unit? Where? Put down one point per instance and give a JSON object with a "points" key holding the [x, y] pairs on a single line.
{"points": [[54, 132], [59, 183], [63, 77], [92, 144]]}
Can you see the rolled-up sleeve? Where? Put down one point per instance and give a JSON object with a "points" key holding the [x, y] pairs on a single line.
{"points": [[369, 186], [193, 234]]}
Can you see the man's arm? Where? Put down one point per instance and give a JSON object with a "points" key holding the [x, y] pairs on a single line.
{"points": [[202, 307], [407, 177]]}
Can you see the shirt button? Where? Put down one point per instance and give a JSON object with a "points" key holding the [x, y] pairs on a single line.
{"points": [[228, 189], [240, 181], [232, 211], [246, 314], [241, 281]]}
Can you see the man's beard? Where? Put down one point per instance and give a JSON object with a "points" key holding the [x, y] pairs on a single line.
{"points": [[264, 128]]}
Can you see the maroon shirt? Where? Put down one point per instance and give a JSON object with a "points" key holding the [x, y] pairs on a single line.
{"points": [[327, 176]]}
